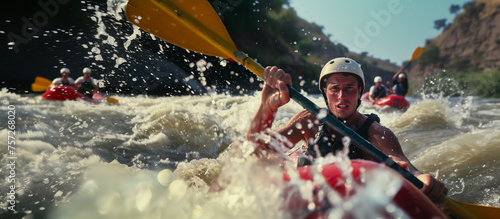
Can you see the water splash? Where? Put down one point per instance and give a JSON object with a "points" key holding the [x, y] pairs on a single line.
{"points": [[443, 86]]}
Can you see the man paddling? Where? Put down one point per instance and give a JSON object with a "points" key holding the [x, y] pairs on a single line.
{"points": [[341, 82], [86, 84], [64, 79], [378, 90], [400, 83]]}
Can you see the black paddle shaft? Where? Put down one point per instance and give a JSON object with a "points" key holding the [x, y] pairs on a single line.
{"points": [[356, 139]]}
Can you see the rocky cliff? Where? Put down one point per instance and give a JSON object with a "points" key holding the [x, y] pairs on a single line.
{"points": [[470, 43], [297, 46]]}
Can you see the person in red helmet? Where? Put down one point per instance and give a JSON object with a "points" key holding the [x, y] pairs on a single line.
{"points": [[341, 83]]}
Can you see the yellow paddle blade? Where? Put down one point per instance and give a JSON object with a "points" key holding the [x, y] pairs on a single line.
{"points": [[464, 210], [41, 84], [38, 88], [111, 100], [42, 81], [418, 51], [193, 25]]}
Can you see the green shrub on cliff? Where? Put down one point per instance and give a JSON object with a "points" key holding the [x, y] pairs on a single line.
{"points": [[483, 84], [430, 55]]}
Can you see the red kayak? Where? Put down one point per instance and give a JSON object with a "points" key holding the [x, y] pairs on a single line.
{"points": [[393, 100], [408, 198], [63, 92], [362, 174]]}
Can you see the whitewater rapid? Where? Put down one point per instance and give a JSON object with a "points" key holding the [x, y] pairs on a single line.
{"points": [[158, 156]]}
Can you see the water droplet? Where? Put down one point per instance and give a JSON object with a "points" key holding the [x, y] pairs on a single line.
{"points": [[298, 125]]}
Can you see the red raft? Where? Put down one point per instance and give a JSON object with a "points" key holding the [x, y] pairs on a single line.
{"points": [[393, 101], [63, 92], [408, 198]]}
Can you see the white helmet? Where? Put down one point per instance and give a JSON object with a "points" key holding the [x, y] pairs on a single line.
{"points": [[341, 65], [85, 70], [63, 70], [377, 79], [402, 75]]}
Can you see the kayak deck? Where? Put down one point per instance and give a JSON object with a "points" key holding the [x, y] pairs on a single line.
{"points": [[63, 92], [393, 101], [408, 198]]}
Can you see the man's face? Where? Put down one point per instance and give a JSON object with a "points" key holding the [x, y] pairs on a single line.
{"points": [[86, 75], [65, 75], [378, 84], [343, 93]]}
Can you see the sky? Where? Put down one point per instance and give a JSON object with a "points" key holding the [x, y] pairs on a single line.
{"points": [[386, 29]]}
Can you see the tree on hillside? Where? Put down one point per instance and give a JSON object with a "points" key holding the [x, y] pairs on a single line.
{"points": [[454, 9], [239, 15], [362, 55], [441, 23]]}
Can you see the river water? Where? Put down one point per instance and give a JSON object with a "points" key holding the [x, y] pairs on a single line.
{"points": [[156, 157]]}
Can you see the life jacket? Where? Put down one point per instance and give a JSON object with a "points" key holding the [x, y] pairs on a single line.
{"points": [[400, 88], [327, 143], [379, 92], [66, 83], [86, 88]]}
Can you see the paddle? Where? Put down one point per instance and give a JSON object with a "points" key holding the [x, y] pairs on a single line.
{"points": [[416, 53], [111, 100], [41, 84], [194, 25]]}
